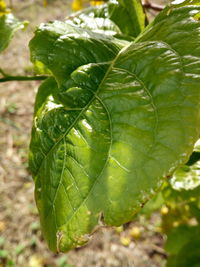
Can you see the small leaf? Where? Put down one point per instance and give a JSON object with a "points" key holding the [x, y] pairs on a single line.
{"points": [[8, 25]]}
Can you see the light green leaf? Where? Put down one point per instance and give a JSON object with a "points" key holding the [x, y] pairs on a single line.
{"points": [[8, 25], [117, 121], [125, 18]]}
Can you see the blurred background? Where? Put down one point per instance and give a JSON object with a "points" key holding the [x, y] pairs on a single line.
{"points": [[159, 232]]}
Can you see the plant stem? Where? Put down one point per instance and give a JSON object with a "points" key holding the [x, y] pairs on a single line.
{"points": [[22, 78]]}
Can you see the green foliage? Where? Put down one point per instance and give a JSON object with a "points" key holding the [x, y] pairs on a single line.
{"points": [[8, 25], [179, 203], [114, 118], [118, 114], [189, 255], [125, 19]]}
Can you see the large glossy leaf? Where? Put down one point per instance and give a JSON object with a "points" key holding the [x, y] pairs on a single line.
{"points": [[8, 25], [111, 123], [126, 18]]}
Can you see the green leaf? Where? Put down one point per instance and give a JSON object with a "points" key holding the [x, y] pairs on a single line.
{"points": [[53, 41], [189, 255], [153, 205], [96, 19], [117, 121], [8, 25], [135, 15], [180, 236], [125, 18]]}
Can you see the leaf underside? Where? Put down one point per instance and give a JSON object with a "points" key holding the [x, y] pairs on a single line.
{"points": [[112, 121]]}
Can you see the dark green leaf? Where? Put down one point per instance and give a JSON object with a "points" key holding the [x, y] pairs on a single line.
{"points": [[179, 236], [189, 255]]}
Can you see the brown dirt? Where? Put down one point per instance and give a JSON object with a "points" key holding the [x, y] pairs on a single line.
{"points": [[20, 235]]}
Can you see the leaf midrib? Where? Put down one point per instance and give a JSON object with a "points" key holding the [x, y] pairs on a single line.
{"points": [[82, 111], [103, 104]]}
